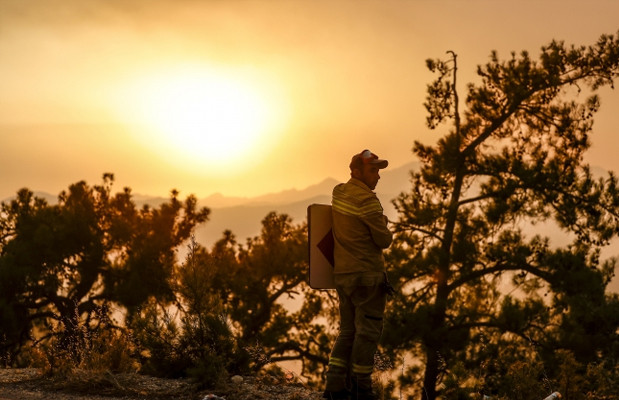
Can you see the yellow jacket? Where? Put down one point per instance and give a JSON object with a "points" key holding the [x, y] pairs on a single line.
{"points": [[359, 229]]}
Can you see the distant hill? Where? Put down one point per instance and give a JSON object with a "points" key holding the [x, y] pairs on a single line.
{"points": [[243, 217], [245, 221], [218, 200], [392, 182]]}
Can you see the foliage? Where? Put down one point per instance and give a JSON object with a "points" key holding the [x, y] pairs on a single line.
{"points": [[230, 315], [62, 265], [253, 288], [190, 338], [464, 257], [65, 267], [105, 349]]}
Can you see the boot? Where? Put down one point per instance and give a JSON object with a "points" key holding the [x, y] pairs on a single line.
{"points": [[340, 395], [362, 388]]}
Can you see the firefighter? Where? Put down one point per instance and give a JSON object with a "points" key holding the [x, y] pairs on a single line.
{"points": [[360, 233]]}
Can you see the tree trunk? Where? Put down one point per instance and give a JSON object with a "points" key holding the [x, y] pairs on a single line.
{"points": [[434, 341], [431, 375]]}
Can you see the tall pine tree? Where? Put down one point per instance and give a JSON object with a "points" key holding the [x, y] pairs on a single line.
{"points": [[471, 272]]}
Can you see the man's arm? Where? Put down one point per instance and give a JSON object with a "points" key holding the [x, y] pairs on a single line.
{"points": [[377, 223]]}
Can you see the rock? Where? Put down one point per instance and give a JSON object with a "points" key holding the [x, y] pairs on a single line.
{"points": [[213, 397], [237, 379]]}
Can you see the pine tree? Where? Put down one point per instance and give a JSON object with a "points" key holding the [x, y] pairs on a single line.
{"points": [[513, 159]]}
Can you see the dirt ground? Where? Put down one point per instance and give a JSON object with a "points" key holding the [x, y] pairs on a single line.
{"points": [[29, 384]]}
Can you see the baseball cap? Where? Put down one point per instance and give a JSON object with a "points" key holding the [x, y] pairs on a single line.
{"points": [[367, 157]]}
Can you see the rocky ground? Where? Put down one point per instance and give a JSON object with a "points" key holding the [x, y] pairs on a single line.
{"points": [[30, 384]]}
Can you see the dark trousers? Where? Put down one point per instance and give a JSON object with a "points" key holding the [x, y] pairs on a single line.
{"points": [[361, 325]]}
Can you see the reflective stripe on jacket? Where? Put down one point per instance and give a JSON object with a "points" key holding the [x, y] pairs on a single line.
{"points": [[359, 229]]}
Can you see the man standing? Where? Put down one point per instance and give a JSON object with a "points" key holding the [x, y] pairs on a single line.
{"points": [[360, 234]]}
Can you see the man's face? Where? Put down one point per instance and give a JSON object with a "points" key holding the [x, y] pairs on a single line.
{"points": [[369, 175]]}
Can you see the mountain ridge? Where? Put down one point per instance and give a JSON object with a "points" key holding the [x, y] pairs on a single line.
{"points": [[391, 182], [243, 215], [244, 219]]}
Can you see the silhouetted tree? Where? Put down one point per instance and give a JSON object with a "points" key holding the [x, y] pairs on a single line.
{"points": [[61, 265], [193, 338], [273, 272], [144, 265], [252, 288], [473, 279]]}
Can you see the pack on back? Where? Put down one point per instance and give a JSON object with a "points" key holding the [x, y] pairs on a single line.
{"points": [[320, 241]]}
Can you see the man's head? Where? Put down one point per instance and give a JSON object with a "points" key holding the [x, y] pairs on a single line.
{"points": [[365, 167]]}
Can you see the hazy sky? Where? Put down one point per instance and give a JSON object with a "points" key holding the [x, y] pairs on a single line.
{"points": [[248, 97]]}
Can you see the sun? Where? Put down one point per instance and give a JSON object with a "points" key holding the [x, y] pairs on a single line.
{"points": [[202, 116]]}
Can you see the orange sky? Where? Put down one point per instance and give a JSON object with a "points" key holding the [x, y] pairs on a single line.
{"points": [[85, 85]]}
